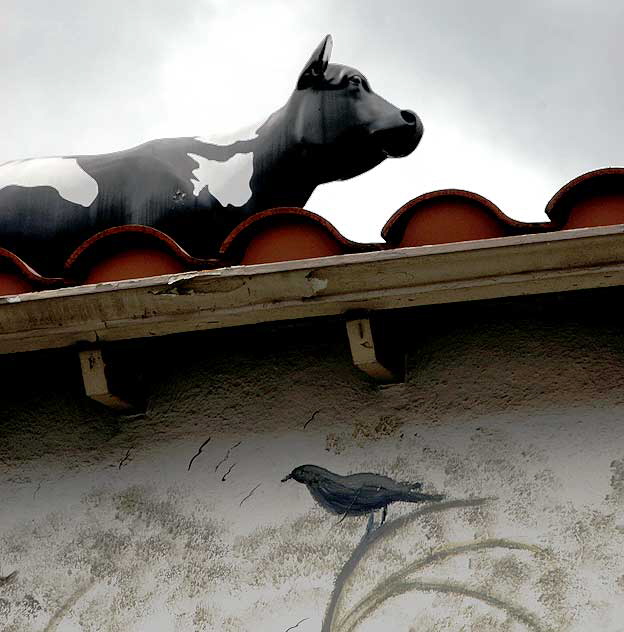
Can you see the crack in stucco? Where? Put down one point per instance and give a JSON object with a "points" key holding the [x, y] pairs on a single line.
{"points": [[249, 495], [292, 627], [199, 451], [314, 414], [227, 455], [228, 472], [125, 459]]}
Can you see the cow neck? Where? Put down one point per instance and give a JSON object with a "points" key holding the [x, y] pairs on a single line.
{"points": [[282, 175]]}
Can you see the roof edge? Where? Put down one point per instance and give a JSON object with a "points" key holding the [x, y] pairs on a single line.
{"points": [[243, 295]]}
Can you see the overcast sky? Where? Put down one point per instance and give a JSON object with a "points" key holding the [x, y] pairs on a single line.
{"points": [[516, 98]]}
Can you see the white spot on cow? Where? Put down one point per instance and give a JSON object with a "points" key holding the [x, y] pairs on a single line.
{"points": [[65, 175], [229, 181]]}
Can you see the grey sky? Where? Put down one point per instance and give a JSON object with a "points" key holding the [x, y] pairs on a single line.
{"points": [[516, 98]]}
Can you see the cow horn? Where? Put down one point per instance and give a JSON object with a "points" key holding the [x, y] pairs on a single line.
{"points": [[317, 64]]}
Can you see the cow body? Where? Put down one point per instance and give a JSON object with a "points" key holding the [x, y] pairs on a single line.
{"points": [[196, 189]]}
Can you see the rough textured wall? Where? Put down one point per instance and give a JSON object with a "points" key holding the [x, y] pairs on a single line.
{"points": [[512, 410]]}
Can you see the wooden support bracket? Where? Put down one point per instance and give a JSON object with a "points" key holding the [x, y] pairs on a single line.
{"points": [[366, 351], [96, 382]]}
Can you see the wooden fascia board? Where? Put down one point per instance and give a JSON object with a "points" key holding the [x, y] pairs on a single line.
{"points": [[242, 295]]}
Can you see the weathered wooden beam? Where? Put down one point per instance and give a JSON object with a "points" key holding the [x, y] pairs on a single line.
{"points": [[367, 352], [96, 380], [244, 295]]}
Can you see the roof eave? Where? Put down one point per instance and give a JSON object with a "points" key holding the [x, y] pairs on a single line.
{"points": [[243, 295]]}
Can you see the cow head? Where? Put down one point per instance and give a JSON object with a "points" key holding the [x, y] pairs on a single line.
{"points": [[342, 126]]}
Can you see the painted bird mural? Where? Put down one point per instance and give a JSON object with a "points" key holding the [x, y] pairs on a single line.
{"points": [[357, 494]]}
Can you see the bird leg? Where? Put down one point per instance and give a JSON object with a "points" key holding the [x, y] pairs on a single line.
{"points": [[370, 526], [384, 515]]}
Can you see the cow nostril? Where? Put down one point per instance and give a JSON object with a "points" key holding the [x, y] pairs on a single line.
{"points": [[409, 117]]}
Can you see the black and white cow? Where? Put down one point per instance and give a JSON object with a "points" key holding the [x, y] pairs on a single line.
{"points": [[197, 189]]}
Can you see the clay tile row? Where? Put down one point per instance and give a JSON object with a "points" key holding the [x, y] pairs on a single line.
{"points": [[283, 234]]}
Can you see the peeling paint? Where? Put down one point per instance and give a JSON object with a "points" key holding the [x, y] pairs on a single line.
{"points": [[317, 284]]}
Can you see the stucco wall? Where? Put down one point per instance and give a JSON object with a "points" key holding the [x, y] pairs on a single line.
{"points": [[511, 409]]}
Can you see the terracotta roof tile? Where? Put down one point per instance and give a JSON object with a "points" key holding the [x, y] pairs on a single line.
{"points": [[130, 252], [450, 215], [593, 199], [285, 234], [17, 277]]}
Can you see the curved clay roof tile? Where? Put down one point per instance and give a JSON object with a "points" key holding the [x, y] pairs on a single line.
{"points": [[451, 215], [129, 252], [17, 277], [595, 198], [286, 234]]}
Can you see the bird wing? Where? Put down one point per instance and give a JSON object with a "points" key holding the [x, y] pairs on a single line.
{"points": [[341, 498], [326, 500], [379, 480]]}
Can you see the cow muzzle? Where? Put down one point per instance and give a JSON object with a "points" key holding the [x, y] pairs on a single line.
{"points": [[398, 135]]}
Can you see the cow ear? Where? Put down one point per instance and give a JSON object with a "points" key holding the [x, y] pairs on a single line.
{"points": [[317, 64]]}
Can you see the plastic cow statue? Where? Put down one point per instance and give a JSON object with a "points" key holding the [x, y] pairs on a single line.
{"points": [[196, 189]]}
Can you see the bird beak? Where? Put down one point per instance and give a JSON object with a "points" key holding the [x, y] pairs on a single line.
{"points": [[286, 478]]}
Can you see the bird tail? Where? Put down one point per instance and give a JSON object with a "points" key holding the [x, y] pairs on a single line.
{"points": [[419, 497]]}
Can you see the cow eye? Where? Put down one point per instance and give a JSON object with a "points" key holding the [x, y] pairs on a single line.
{"points": [[355, 80]]}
